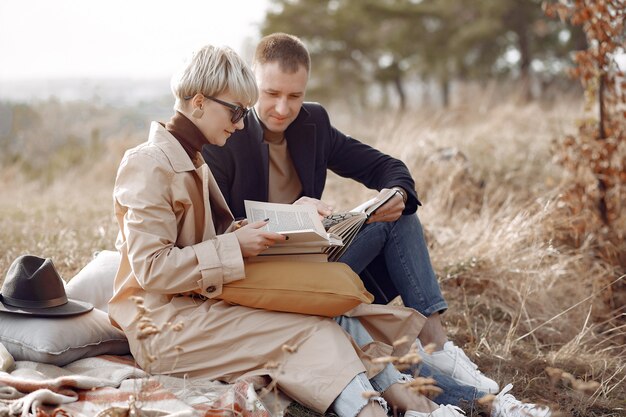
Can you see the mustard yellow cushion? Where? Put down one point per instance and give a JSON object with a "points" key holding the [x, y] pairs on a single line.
{"points": [[317, 288]]}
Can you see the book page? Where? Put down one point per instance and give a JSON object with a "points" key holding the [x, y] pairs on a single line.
{"points": [[361, 207], [298, 257], [348, 230], [372, 204], [285, 217]]}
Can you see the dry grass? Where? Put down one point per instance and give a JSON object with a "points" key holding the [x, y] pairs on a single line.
{"points": [[521, 300]]}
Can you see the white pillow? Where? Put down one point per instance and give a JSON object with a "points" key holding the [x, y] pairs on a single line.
{"points": [[59, 341], [94, 283]]}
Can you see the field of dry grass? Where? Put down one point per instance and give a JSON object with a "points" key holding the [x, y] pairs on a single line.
{"points": [[522, 301]]}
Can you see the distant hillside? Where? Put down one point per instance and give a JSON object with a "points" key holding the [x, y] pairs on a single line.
{"points": [[114, 91]]}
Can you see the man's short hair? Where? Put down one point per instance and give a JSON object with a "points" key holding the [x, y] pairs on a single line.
{"points": [[288, 50]]}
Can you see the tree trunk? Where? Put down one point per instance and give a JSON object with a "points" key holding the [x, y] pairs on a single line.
{"points": [[602, 130], [602, 206], [445, 92], [525, 59], [397, 83]]}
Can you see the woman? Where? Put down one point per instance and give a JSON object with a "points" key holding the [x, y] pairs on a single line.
{"points": [[179, 246]]}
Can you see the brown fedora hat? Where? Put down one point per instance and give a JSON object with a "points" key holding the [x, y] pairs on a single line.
{"points": [[32, 286]]}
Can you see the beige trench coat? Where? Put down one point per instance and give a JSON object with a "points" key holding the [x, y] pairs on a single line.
{"points": [[177, 253]]}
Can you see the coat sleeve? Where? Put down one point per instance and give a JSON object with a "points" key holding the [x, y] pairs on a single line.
{"points": [[353, 159], [143, 193]]}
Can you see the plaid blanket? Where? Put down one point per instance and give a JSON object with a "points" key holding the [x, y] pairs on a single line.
{"points": [[113, 386]]}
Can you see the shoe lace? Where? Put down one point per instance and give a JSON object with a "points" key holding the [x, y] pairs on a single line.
{"points": [[461, 354], [506, 405], [454, 409]]}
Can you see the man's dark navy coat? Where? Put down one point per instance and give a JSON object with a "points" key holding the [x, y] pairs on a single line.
{"points": [[241, 167]]}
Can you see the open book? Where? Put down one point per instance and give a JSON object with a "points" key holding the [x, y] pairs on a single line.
{"points": [[300, 223], [307, 233], [346, 225]]}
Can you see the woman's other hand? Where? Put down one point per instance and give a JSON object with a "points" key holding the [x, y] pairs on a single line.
{"points": [[253, 240]]}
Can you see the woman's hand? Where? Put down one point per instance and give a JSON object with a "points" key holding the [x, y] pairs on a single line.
{"points": [[253, 240]]}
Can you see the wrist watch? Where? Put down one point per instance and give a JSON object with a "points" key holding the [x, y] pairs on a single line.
{"points": [[402, 193]]}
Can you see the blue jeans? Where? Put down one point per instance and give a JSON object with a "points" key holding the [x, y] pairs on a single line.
{"points": [[397, 256], [350, 401], [462, 396]]}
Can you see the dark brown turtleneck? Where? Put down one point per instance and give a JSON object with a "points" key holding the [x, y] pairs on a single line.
{"points": [[187, 134]]}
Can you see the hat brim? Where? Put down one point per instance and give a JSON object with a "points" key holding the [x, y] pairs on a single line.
{"points": [[71, 308]]}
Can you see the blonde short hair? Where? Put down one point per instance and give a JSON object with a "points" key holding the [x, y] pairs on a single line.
{"points": [[212, 71]]}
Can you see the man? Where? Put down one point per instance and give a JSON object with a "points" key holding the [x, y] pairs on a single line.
{"points": [[283, 154]]}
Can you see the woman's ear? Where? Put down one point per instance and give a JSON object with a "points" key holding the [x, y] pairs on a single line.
{"points": [[196, 102]]}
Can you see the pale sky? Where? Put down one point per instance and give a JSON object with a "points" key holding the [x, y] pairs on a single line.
{"points": [[117, 38]]}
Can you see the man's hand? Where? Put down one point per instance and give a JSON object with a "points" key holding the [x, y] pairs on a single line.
{"points": [[253, 240], [322, 208], [390, 211]]}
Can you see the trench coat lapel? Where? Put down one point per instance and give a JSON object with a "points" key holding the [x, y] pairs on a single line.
{"points": [[209, 226], [301, 144], [217, 215], [221, 215]]}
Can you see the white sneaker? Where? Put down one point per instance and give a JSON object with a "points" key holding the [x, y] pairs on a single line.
{"points": [[452, 361], [506, 405], [442, 411]]}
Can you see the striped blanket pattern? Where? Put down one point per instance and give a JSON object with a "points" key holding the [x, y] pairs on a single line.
{"points": [[112, 386]]}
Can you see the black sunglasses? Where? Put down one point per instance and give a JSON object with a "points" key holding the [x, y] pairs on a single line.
{"points": [[239, 112]]}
